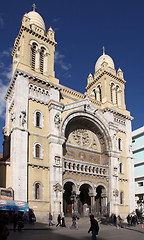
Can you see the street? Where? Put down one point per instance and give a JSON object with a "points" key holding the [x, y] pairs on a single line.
{"points": [[40, 231]]}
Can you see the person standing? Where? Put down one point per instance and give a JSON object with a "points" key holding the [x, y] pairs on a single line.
{"points": [[94, 228], [58, 220], [50, 220]]}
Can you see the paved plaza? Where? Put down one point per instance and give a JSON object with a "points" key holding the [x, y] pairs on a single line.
{"points": [[41, 231]]}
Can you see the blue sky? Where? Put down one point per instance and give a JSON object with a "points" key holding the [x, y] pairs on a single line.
{"points": [[81, 29]]}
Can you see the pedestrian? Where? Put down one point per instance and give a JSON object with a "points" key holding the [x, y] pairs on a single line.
{"points": [[15, 221], [58, 220], [50, 220], [128, 219], [114, 219], [118, 221], [4, 232], [63, 222], [94, 228], [74, 223]]}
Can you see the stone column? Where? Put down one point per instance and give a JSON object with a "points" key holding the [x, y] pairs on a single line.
{"points": [[113, 183], [55, 158]]}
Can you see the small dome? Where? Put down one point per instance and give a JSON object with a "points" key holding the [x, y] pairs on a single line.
{"points": [[104, 58], [36, 19]]}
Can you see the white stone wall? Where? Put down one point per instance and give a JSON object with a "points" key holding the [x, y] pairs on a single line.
{"points": [[19, 140]]}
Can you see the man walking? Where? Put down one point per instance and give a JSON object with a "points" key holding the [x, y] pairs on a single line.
{"points": [[94, 227]]}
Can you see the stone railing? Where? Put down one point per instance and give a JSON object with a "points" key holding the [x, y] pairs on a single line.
{"points": [[87, 168]]}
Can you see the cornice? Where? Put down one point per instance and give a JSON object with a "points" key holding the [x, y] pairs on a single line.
{"points": [[23, 28], [103, 73], [68, 91], [108, 109], [38, 166], [33, 77], [52, 104]]}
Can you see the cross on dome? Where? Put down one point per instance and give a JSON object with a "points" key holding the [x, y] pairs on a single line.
{"points": [[34, 7], [103, 48]]}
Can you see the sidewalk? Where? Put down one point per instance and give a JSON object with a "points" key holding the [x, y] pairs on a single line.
{"points": [[83, 223]]}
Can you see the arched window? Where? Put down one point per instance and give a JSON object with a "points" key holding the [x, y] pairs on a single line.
{"points": [[42, 60], [119, 144], [121, 197], [38, 119], [37, 191], [111, 91], [117, 89], [100, 94], [121, 170], [37, 150], [95, 94], [33, 56]]}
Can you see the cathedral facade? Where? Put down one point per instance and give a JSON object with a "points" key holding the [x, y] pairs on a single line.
{"points": [[67, 151]]}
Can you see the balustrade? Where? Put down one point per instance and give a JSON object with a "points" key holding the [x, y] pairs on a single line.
{"points": [[81, 167]]}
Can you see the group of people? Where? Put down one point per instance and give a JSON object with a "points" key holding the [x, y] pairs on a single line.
{"points": [[132, 220], [60, 221]]}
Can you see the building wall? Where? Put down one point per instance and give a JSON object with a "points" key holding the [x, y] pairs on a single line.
{"points": [[138, 153]]}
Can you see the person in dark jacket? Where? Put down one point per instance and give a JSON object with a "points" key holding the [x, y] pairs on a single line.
{"points": [[94, 228]]}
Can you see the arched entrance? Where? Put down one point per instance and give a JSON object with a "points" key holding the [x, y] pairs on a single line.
{"points": [[84, 203], [85, 162], [100, 201], [68, 198]]}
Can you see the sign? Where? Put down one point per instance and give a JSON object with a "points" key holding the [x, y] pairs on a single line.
{"points": [[13, 205]]}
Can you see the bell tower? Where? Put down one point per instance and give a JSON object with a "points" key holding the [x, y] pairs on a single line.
{"points": [[34, 49], [107, 86]]}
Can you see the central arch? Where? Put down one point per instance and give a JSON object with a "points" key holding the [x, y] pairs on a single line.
{"points": [[85, 161]]}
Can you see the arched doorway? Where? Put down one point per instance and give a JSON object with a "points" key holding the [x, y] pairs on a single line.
{"points": [[68, 198], [100, 201], [84, 204]]}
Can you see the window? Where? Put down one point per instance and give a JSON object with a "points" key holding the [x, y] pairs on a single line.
{"points": [[119, 144], [140, 184], [111, 91], [42, 60], [95, 95], [33, 56], [121, 170], [37, 151], [38, 118], [100, 94], [121, 197], [37, 191]]}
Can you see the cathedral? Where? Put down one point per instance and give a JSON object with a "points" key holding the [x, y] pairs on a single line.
{"points": [[66, 151]]}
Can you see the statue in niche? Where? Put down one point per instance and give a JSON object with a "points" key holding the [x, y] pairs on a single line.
{"points": [[57, 119], [57, 188], [115, 193], [22, 117], [12, 116]]}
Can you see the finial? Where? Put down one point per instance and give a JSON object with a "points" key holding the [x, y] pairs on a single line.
{"points": [[103, 48], [34, 7]]}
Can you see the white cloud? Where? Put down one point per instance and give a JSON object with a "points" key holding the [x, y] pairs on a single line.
{"points": [[55, 20], [59, 59], [6, 53], [3, 89], [7, 72]]}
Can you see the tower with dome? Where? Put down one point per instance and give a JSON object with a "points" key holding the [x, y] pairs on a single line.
{"points": [[68, 151]]}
